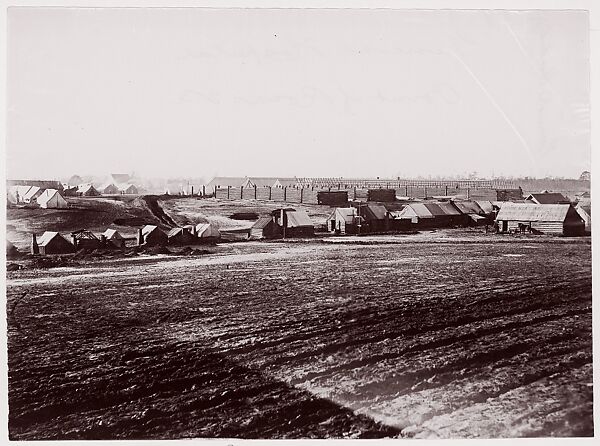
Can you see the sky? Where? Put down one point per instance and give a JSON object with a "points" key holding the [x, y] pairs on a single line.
{"points": [[307, 93]]}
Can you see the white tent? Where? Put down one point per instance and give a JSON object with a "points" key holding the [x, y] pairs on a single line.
{"points": [[52, 199], [206, 230]]}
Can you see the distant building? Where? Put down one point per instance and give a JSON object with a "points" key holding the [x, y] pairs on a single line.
{"points": [[51, 199], [127, 188], [87, 190], [42, 184], [54, 243], [75, 181], [544, 218], [110, 189], [381, 195], [333, 198]]}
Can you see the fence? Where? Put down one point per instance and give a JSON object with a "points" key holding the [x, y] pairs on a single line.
{"points": [[308, 195]]}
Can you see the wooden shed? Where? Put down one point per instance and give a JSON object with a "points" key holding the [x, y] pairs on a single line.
{"points": [[548, 198], [381, 195], [333, 198], [152, 235], [53, 243], [84, 239], [543, 218]]}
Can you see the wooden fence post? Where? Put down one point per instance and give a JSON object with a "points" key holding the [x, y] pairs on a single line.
{"points": [[301, 194], [269, 192], [255, 191], [285, 193], [228, 191]]}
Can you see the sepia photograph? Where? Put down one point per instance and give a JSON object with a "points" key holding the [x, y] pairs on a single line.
{"points": [[298, 223]]}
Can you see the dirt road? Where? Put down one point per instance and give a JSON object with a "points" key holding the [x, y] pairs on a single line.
{"points": [[483, 338]]}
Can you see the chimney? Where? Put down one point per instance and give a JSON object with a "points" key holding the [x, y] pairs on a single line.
{"points": [[102, 239], [194, 231], [74, 238], [140, 237], [34, 246]]}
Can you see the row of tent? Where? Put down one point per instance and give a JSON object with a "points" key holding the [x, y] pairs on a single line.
{"points": [[88, 189], [51, 242], [36, 196]]}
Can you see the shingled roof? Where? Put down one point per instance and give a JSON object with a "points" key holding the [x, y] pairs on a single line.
{"points": [[534, 212]]}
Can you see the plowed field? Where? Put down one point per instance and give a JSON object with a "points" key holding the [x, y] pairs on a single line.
{"points": [[487, 336]]}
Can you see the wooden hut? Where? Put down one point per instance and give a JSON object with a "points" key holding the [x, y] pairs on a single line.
{"points": [[53, 243], [333, 198], [543, 218], [84, 239], [548, 198], [152, 235], [381, 195]]}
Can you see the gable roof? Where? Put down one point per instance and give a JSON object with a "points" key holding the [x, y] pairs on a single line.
{"points": [[548, 198], [207, 230], [435, 209], [112, 234], [375, 211], [448, 208], [415, 209], [534, 212], [347, 214], [468, 207], [262, 223], [85, 187], [48, 194], [297, 219], [226, 181], [485, 205], [149, 229], [175, 231], [47, 237]]}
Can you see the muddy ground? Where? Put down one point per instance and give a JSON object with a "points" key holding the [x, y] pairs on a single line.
{"points": [[416, 336]]}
